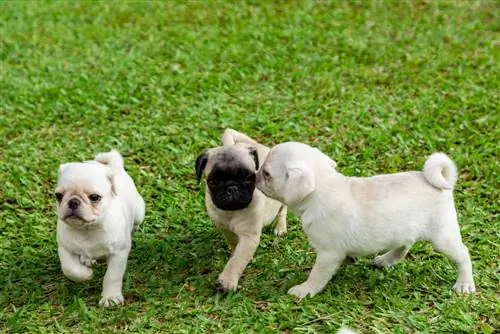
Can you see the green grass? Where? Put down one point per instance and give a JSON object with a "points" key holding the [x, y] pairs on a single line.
{"points": [[376, 85]]}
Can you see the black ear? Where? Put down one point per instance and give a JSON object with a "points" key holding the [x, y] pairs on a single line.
{"points": [[253, 153], [201, 163]]}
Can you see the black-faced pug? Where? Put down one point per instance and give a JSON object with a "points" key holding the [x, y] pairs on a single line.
{"points": [[234, 204]]}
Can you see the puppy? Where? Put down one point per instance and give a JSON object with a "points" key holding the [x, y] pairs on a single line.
{"points": [[97, 206], [233, 203], [351, 216]]}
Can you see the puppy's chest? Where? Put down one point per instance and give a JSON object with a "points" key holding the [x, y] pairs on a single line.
{"points": [[92, 245], [222, 219]]}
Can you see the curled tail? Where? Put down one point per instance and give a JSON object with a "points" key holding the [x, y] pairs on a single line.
{"points": [[440, 171], [231, 137], [112, 159]]}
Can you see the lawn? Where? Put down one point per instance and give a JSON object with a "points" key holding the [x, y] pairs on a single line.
{"points": [[377, 85]]}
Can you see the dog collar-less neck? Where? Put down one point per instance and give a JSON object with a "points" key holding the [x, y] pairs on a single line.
{"points": [[301, 207]]}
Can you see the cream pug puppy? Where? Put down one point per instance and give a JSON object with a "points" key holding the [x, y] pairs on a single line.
{"points": [[98, 206], [351, 216], [233, 203]]}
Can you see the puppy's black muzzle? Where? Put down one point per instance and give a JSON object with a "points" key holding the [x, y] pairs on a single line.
{"points": [[232, 190], [231, 198]]}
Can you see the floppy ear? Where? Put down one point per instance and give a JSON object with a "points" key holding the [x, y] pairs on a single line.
{"points": [[299, 184], [201, 163], [255, 156]]}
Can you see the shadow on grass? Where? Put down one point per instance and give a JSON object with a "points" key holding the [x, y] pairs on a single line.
{"points": [[155, 267], [164, 267]]}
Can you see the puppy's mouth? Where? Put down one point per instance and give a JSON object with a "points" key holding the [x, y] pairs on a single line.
{"points": [[76, 220], [228, 202], [264, 191], [232, 206]]}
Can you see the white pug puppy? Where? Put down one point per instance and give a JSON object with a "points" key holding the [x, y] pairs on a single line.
{"points": [[355, 216], [98, 206]]}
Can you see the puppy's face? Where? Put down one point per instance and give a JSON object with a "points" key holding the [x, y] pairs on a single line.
{"points": [[83, 193], [230, 173], [286, 174], [272, 178]]}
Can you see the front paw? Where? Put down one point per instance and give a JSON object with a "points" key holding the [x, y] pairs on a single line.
{"points": [[108, 301], [302, 290], [464, 287], [226, 285], [86, 261], [77, 272]]}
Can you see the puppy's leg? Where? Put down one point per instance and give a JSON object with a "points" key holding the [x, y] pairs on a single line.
{"points": [[113, 279], [71, 266], [280, 228], [452, 246], [391, 257], [87, 261], [243, 254], [140, 212], [324, 268]]}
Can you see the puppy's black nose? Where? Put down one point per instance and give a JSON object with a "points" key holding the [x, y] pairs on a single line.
{"points": [[73, 203], [232, 189]]}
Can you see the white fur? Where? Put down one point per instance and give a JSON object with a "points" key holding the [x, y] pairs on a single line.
{"points": [[108, 234], [345, 330], [112, 159], [353, 216], [440, 171]]}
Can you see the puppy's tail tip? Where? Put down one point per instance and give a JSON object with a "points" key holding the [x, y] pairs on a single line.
{"points": [[112, 159], [440, 171], [346, 330], [228, 137]]}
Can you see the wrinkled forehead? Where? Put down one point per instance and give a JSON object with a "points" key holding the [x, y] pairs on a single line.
{"points": [[91, 175], [279, 157], [232, 173], [231, 158], [280, 154]]}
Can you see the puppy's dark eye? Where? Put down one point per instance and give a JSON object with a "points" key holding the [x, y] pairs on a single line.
{"points": [[95, 198], [59, 197]]}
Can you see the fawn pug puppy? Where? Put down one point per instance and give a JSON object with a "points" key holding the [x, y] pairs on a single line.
{"points": [[98, 206], [351, 216], [233, 202]]}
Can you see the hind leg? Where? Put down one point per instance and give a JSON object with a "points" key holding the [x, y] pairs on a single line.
{"points": [[280, 227], [391, 257], [449, 242], [140, 212]]}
